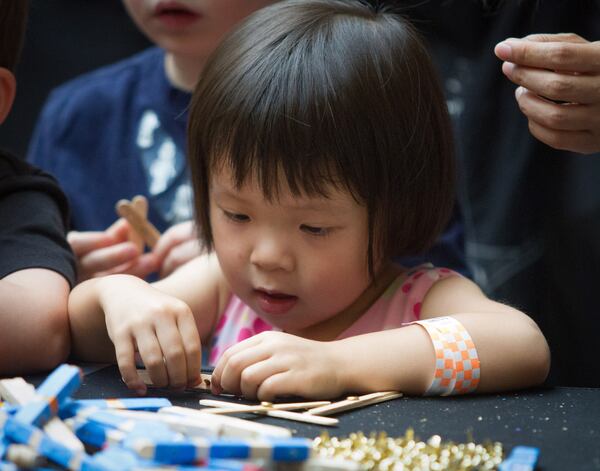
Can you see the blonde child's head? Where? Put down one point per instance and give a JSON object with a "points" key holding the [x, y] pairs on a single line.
{"points": [[329, 93]]}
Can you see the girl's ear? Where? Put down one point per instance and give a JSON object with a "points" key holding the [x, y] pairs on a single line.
{"points": [[8, 89]]}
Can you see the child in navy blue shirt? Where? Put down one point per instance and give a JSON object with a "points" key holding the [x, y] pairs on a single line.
{"points": [[120, 131]]}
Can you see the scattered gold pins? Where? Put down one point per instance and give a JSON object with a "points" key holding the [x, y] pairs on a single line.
{"points": [[408, 453]]}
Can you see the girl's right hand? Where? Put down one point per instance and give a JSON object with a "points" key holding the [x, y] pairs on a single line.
{"points": [[160, 327]]}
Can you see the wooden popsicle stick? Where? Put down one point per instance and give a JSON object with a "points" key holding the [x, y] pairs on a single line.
{"points": [[204, 384], [231, 426], [271, 412], [354, 402], [140, 204], [140, 224], [302, 417], [236, 410], [244, 407]]}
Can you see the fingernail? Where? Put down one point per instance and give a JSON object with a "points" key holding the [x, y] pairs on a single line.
{"points": [[519, 91], [503, 50], [508, 68]]}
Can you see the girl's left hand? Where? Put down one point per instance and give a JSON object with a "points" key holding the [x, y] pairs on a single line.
{"points": [[273, 364]]}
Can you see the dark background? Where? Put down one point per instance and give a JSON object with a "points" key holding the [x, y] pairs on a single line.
{"points": [[64, 38]]}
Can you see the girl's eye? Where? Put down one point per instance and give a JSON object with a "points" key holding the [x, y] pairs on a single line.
{"points": [[317, 231], [235, 217]]}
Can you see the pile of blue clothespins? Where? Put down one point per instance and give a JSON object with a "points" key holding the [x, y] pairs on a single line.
{"points": [[49, 429], [130, 434]]}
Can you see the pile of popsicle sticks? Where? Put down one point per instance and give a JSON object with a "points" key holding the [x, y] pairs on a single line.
{"points": [[316, 412], [45, 427]]}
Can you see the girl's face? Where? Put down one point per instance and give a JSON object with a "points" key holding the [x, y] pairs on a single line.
{"points": [[296, 261], [190, 28]]}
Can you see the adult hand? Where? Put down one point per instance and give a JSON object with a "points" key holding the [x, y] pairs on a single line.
{"points": [[177, 246], [162, 328], [110, 252], [559, 87], [273, 364]]}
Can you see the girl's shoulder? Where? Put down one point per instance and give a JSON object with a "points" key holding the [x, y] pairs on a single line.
{"points": [[416, 279], [401, 301]]}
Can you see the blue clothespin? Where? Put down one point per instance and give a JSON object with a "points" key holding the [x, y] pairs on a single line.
{"points": [[97, 435], [151, 404], [27, 434], [54, 391], [521, 458], [189, 451]]}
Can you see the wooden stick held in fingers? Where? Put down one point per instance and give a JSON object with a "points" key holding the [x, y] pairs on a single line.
{"points": [[126, 209], [203, 385]]}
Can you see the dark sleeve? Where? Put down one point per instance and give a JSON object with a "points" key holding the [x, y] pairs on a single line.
{"points": [[33, 221]]}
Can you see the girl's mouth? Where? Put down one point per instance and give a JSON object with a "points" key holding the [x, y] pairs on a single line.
{"points": [[272, 302]]}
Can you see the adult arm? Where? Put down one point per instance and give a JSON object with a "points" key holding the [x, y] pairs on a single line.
{"points": [[558, 78]]}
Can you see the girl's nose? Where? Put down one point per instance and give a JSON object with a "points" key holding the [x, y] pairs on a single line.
{"points": [[269, 254]]}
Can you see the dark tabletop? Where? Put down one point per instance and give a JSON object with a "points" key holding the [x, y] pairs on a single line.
{"points": [[563, 422]]}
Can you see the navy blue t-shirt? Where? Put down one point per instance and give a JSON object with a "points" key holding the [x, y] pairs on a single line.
{"points": [[114, 133]]}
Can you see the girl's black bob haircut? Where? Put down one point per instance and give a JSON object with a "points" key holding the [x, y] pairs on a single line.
{"points": [[322, 93]]}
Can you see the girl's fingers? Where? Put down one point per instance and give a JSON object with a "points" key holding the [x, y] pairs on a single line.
{"points": [[192, 347], [171, 345], [218, 371], [278, 384], [125, 354], [152, 356], [235, 378], [254, 375]]}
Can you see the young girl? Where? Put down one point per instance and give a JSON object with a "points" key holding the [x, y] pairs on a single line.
{"points": [[320, 150]]}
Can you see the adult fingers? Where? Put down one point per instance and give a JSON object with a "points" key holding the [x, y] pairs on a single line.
{"points": [[192, 347], [553, 38], [174, 236], [582, 142], [561, 55], [555, 85], [125, 355], [107, 258], [564, 117], [141, 267], [83, 242], [152, 356]]}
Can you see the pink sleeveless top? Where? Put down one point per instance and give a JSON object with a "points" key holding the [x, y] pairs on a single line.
{"points": [[400, 303]]}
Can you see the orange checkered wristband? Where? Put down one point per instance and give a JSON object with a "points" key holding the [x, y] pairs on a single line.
{"points": [[457, 368]]}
